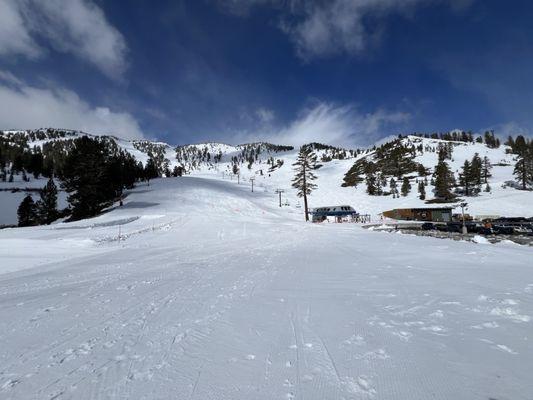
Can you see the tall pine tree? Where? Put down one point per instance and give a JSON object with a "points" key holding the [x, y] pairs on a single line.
{"points": [[150, 170], [421, 190], [303, 180], [406, 186], [27, 212], [523, 170], [465, 178], [485, 169], [444, 182], [47, 205]]}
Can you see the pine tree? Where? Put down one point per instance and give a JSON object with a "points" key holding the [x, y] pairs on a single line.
{"points": [[177, 171], [393, 188], [371, 183], [444, 181], [422, 171], [476, 172], [150, 170], [303, 180], [422, 191], [485, 169], [465, 178], [406, 186], [523, 170], [27, 213], [36, 164], [47, 205], [86, 177]]}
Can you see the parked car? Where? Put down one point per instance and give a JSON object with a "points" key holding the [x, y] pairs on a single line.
{"points": [[428, 226], [454, 227], [523, 230], [503, 230], [472, 228], [484, 230]]}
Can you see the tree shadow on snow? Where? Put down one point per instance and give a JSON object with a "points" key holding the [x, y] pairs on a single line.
{"points": [[139, 204]]}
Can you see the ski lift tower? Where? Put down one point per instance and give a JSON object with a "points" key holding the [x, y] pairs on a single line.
{"points": [[280, 191]]}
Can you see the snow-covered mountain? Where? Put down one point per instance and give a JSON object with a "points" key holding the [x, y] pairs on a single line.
{"points": [[271, 167]]}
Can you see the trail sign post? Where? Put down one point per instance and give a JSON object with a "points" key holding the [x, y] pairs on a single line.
{"points": [[463, 206], [280, 191]]}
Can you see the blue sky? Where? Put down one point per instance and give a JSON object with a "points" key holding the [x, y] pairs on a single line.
{"points": [[339, 71]]}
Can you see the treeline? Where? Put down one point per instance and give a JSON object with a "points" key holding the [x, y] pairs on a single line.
{"points": [[17, 158], [467, 137], [159, 165], [392, 170], [330, 153], [93, 170], [394, 159], [22, 138], [94, 173], [193, 156]]}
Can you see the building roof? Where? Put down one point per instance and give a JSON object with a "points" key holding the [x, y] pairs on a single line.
{"points": [[423, 208]]}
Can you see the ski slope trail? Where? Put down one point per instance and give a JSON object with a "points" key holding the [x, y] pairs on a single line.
{"points": [[213, 292]]}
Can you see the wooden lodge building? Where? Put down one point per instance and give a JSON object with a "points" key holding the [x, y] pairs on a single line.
{"points": [[430, 214]]}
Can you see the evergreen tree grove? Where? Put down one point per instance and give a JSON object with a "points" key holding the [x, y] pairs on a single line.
{"points": [[94, 174]]}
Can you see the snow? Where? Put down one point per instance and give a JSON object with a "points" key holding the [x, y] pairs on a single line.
{"points": [[199, 289]]}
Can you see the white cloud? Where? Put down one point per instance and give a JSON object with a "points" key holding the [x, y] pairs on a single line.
{"points": [[265, 115], [323, 28], [14, 37], [78, 27], [28, 107], [510, 128], [332, 124]]}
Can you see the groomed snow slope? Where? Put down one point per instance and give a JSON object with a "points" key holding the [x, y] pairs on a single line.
{"points": [[213, 292]]}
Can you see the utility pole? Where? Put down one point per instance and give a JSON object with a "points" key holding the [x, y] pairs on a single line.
{"points": [[280, 191], [463, 205], [252, 179]]}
